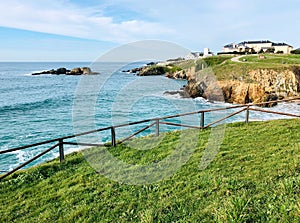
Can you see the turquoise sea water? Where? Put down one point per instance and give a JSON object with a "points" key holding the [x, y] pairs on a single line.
{"points": [[38, 108]]}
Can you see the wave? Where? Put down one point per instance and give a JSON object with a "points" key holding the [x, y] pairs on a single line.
{"points": [[49, 102]]}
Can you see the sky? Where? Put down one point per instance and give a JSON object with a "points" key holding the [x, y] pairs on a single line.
{"points": [[76, 30]]}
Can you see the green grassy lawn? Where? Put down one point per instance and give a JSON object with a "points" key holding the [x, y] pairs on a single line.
{"points": [[274, 59], [229, 70], [225, 69], [255, 177]]}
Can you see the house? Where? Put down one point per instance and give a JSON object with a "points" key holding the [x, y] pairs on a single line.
{"points": [[207, 53], [194, 55], [282, 47], [258, 46], [197, 55]]}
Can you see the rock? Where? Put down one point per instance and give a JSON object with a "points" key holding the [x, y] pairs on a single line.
{"points": [[152, 70], [195, 89], [136, 70], [75, 71], [61, 71], [283, 83], [43, 72], [151, 64], [181, 93], [266, 85], [242, 93], [86, 71], [177, 75]]}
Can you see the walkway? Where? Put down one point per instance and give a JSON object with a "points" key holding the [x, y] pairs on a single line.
{"points": [[237, 59]]}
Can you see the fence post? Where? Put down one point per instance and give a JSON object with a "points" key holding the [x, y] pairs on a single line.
{"points": [[61, 150], [202, 120], [113, 137], [247, 115], [157, 127]]}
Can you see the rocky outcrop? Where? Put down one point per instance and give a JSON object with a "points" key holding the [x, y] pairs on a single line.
{"points": [[242, 93], [59, 71], [284, 83], [186, 74], [266, 85], [177, 75], [152, 70], [64, 71], [137, 70]]}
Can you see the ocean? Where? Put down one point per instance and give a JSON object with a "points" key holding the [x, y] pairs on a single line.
{"points": [[38, 108]]}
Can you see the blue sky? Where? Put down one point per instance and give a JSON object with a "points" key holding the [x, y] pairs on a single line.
{"points": [[75, 30]]}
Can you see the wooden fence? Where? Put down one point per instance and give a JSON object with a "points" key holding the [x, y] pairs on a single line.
{"points": [[60, 142]]}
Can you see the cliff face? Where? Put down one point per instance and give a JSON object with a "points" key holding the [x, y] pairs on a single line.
{"points": [[242, 93], [285, 83], [266, 85]]}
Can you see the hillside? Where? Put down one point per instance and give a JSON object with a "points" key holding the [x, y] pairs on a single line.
{"points": [[254, 178], [230, 70]]}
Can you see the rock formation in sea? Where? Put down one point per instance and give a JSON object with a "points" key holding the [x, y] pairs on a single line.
{"points": [[64, 71]]}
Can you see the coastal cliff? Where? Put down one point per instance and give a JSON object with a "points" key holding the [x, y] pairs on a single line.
{"points": [[220, 79], [262, 85]]}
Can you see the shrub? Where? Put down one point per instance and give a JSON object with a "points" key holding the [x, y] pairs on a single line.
{"points": [[297, 51]]}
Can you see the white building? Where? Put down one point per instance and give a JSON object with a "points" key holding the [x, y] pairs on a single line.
{"points": [[194, 55], [207, 53], [258, 46], [197, 55]]}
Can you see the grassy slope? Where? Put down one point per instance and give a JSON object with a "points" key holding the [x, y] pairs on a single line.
{"points": [[254, 178], [225, 69], [233, 70]]}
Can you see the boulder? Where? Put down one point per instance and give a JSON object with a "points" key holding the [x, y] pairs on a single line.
{"points": [[52, 71], [86, 71], [181, 93], [75, 71], [61, 70], [177, 75]]}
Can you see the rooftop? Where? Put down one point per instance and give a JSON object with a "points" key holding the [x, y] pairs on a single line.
{"points": [[280, 44], [255, 42]]}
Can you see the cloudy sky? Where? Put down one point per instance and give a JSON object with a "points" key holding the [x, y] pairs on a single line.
{"points": [[76, 30]]}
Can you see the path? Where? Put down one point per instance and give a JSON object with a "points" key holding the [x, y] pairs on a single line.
{"points": [[237, 59]]}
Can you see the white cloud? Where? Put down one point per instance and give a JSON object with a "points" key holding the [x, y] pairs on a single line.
{"points": [[191, 23], [64, 18]]}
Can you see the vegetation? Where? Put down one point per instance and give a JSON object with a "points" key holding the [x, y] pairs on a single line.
{"points": [[171, 68], [217, 60], [255, 177], [274, 59], [159, 70], [297, 51], [225, 69]]}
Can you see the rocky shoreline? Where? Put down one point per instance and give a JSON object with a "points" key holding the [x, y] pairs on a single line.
{"points": [[264, 85], [64, 71]]}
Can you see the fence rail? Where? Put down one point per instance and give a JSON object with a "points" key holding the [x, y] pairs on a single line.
{"points": [[60, 142]]}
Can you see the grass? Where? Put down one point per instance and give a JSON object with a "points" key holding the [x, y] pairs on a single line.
{"points": [[254, 178], [274, 59], [225, 69], [228, 70]]}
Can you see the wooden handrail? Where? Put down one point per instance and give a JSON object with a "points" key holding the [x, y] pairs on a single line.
{"points": [[273, 112], [29, 161], [156, 121]]}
